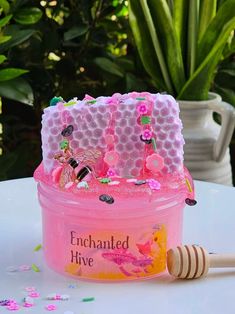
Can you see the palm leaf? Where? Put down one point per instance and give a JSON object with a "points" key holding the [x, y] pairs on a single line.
{"points": [[201, 78], [144, 44], [163, 25], [208, 40]]}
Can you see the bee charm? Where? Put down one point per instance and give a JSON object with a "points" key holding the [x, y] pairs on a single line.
{"points": [[76, 166]]}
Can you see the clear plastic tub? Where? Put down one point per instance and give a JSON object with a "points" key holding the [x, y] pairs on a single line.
{"points": [[128, 240]]}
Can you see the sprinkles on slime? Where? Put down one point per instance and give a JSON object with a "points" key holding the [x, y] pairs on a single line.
{"points": [[112, 185]]}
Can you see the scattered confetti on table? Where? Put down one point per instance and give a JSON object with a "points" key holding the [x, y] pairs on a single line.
{"points": [[88, 299], [34, 294], [50, 307], [24, 268], [35, 268], [37, 248]]}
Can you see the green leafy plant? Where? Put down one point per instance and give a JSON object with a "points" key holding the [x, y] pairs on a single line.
{"points": [[181, 42], [68, 48], [13, 18]]}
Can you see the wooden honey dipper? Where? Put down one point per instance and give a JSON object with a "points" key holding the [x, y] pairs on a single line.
{"points": [[193, 261]]}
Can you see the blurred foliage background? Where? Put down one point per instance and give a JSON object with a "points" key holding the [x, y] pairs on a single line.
{"points": [[66, 48]]}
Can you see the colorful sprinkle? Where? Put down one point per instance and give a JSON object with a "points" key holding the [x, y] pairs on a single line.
{"points": [[5, 302], [131, 180], [34, 294], [111, 173], [24, 268], [154, 184], [114, 183], [50, 307], [37, 248], [190, 202], [154, 162], [147, 134], [12, 269], [140, 182], [145, 120], [105, 180], [154, 144], [55, 100], [88, 299], [72, 286], [142, 108], [26, 304], [188, 185], [106, 198], [13, 306], [83, 185], [91, 102], [64, 144], [67, 131], [35, 268], [64, 297], [140, 98], [146, 141]]}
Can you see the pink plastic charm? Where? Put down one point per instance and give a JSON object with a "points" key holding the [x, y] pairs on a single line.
{"points": [[111, 173], [142, 108], [111, 158], [13, 306], [154, 184], [50, 307], [34, 294], [154, 163], [147, 134]]}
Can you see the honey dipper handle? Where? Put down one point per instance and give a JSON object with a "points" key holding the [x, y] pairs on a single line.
{"points": [[222, 260]]}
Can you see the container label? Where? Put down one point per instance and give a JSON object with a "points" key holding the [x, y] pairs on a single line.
{"points": [[116, 255]]}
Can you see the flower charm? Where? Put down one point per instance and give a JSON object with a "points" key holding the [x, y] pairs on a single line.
{"points": [[50, 307], [142, 108], [154, 184], [147, 134], [111, 158], [154, 162], [111, 173]]}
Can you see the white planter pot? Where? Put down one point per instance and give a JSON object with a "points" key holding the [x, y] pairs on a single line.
{"points": [[206, 143]]}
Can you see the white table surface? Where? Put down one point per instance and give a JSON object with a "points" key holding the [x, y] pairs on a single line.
{"points": [[211, 224]]}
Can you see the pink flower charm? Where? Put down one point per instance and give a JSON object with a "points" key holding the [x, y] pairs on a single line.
{"points": [[147, 134], [13, 306], [34, 294], [154, 162], [50, 307], [111, 158], [111, 173], [154, 184], [142, 108], [26, 304]]}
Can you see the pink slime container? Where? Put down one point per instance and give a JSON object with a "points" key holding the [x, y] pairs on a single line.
{"points": [[127, 240]]}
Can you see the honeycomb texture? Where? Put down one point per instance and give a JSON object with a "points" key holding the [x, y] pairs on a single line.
{"points": [[92, 121]]}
